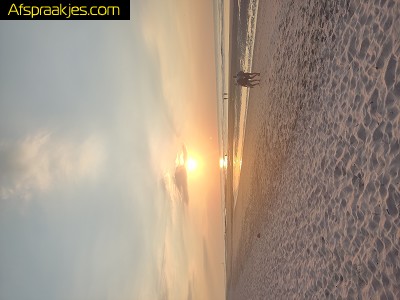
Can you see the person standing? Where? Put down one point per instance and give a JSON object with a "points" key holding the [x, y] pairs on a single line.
{"points": [[247, 79]]}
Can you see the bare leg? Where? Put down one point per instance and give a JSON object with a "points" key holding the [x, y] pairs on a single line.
{"points": [[254, 81], [250, 85], [252, 74], [249, 77]]}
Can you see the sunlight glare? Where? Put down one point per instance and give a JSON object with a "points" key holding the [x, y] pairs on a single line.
{"points": [[223, 162], [191, 164]]}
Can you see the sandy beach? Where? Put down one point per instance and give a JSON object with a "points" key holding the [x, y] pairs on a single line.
{"points": [[318, 206]]}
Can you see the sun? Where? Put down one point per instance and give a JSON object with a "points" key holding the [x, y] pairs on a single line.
{"points": [[191, 164]]}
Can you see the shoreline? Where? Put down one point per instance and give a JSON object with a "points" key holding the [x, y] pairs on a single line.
{"points": [[229, 177], [231, 239]]}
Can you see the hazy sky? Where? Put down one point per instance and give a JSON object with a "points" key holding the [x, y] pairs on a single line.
{"points": [[92, 116]]}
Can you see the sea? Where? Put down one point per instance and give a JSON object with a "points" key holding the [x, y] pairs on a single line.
{"points": [[235, 31]]}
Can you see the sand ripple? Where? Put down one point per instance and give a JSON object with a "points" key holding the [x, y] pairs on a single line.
{"points": [[320, 175]]}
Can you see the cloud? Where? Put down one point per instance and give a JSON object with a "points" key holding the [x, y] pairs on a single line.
{"points": [[172, 250], [164, 34], [42, 161], [181, 182], [181, 179]]}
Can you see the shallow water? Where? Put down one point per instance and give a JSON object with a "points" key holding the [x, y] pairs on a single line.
{"points": [[246, 46]]}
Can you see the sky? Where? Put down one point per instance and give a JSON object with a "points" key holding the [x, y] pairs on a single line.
{"points": [[93, 115]]}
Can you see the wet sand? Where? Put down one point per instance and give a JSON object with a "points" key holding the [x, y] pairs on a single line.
{"points": [[318, 208]]}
